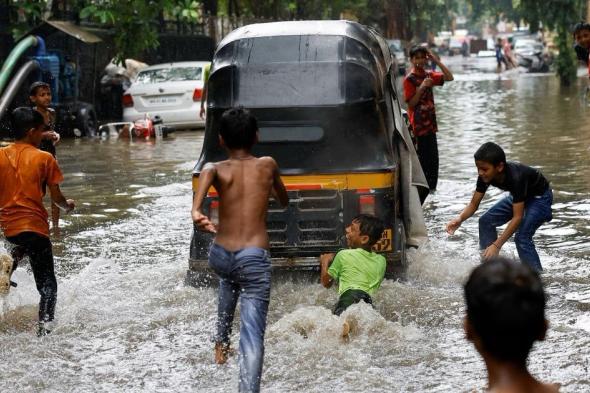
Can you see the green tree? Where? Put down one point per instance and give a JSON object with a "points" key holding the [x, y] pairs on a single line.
{"points": [[135, 22], [24, 15], [560, 16]]}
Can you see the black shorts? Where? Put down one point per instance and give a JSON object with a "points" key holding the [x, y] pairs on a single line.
{"points": [[350, 297], [38, 248]]}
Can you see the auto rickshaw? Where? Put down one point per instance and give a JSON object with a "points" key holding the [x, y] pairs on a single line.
{"points": [[324, 95]]}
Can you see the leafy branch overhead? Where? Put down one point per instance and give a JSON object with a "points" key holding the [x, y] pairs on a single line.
{"points": [[135, 22]]}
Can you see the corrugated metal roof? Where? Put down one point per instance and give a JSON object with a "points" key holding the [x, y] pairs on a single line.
{"points": [[75, 31], [50, 26]]}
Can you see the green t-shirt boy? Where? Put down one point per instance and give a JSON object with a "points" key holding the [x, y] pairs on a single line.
{"points": [[359, 271]]}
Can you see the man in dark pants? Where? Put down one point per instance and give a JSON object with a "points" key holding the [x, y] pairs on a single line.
{"points": [[420, 99], [23, 219]]}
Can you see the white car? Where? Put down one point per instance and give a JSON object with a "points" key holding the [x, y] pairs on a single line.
{"points": [[172, 91]]}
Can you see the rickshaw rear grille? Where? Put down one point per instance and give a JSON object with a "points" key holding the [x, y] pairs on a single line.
{"points": [[277, 239], [317, 203], [319, 225], [319, 237], [276, 226], [312, 219]]}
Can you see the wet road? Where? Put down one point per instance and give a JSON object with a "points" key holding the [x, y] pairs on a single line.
{"points": [[127, 323]]}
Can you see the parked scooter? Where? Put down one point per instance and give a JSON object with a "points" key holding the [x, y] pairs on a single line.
{"points": [[145, 129], [535, 62]]}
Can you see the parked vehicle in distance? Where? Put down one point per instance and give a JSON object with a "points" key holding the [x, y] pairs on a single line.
{"points": [[531, 54], [397, 50], [172, 91]]}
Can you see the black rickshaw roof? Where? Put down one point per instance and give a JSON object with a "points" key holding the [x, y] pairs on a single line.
{"points": [[367, 36], [328, 110]]}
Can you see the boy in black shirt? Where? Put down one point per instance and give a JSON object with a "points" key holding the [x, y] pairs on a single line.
{"points": [[525, 209]]}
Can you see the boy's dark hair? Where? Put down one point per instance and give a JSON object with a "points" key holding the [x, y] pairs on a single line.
{"points": [[35, 86], [238, 128], [581, 26], [370, 226], [414, 50], [506, 308], [23, 119], [491, 153]]}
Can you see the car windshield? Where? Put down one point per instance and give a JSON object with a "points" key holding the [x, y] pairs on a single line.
{"points": [[175, 74]]}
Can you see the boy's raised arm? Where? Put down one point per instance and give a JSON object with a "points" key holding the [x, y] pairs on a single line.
{"points": [[448, 75], [206, 179]]}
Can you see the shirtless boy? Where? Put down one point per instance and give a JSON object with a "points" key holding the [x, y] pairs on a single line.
{"points": [[240, 254], [505, 316]]}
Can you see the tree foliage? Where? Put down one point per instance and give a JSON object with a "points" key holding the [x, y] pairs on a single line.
{"points": [[135, 23], [24, 15]]}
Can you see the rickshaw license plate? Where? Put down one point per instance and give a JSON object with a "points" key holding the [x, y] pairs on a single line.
{"points": [[385, 243]]}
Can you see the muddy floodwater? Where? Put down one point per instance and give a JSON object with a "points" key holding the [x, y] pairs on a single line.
{"points": [[127, 322]]}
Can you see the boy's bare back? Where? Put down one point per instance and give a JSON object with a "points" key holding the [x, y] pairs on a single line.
{"points": [[244, 186]]}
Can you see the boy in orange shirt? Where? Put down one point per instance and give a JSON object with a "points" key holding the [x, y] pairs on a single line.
{"points": [[23, 219]]}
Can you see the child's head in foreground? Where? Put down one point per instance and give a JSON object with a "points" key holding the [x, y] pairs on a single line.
{"points": [[505, 309], [238, 128], [582, 34], [364, 231], [40, 94], [26, 119]]}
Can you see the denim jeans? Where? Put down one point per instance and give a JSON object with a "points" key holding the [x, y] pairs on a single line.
{"points": [[537, 210], [244, 273]]}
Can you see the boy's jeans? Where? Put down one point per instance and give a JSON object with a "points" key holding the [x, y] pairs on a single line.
{"points": [[244, 272], [537, 210]]}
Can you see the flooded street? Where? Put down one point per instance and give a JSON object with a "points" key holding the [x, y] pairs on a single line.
{"points": [[127, 322]]}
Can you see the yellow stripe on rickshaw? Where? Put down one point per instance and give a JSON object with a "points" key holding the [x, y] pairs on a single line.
{"points": [[340, 182]]}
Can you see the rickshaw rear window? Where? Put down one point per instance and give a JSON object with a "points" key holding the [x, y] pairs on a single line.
{"points": [[271, 134], [288, 49], [293, 71]]}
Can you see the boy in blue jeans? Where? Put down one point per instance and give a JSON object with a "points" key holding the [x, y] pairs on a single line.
{"points": [[525, 209], [239, 254]]}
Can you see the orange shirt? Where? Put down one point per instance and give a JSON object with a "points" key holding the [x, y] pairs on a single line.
{"points": [[24, 172]]}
